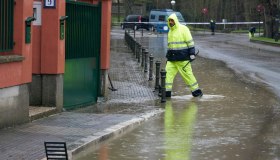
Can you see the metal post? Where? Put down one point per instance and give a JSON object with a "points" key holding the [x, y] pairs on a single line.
{"points": [[139, 51], [135, 48], [259, 24], [134, 30], [157, 74], [130, 42], [151, 67], [143, 57], [146, 53], [163, 89]]}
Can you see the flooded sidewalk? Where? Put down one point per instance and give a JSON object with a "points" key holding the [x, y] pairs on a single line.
{"points": [[237, 118]]}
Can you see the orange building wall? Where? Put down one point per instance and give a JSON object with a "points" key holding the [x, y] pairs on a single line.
{"points": [[17, 73], [52, 48], [36, 50], [106, 34]]}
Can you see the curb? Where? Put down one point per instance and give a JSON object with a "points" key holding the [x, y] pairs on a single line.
{"points": [[86, 145], [45, 113], [266, 43], [92, 141]]}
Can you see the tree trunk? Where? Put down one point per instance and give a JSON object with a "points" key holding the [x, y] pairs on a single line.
{"points": [[270, 13], [119, 19]]}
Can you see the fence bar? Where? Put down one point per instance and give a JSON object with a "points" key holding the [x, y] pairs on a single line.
{"points": [[151, 67], [163, 89], [157, 74]]}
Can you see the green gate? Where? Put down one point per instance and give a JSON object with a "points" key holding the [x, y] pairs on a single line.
{"points": [[81, 78]]}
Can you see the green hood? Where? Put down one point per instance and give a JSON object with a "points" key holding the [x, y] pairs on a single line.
{"points": [[174, 17]]}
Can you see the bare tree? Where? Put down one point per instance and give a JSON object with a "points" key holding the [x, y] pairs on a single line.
{"points": [[271, 10]]}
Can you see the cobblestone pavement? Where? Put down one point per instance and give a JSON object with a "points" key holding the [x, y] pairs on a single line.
{"points": [[133, 102]]}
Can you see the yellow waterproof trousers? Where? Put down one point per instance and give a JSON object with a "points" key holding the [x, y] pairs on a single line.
{"points": [[185, 70]]}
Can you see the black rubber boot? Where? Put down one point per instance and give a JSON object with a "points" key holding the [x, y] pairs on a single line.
{"points": [[168, 94], [197, 93]]}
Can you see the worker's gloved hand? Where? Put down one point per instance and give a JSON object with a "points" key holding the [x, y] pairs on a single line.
{"points": [[192, 54], [192, 58]]}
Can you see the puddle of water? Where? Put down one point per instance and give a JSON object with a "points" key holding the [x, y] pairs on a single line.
{"points": [[233, 120], [203, 98]]}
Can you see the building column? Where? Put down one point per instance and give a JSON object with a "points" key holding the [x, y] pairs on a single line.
{"points": [[52, 56], [105, 45]]}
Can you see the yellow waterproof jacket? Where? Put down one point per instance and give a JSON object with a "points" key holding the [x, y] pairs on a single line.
{"points": [[180, 41]]}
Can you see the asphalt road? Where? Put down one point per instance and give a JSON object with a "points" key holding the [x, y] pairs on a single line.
{"points": [[258, 62]]}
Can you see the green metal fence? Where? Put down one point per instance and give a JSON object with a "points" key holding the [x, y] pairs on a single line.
{"points": [[81, 78], [6, 25]]}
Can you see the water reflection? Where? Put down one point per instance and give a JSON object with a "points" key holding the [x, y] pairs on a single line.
{"points": [[178, 129], [103, 153], [166, 137]]}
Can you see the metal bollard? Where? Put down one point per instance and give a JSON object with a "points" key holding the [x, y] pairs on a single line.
{"points": [[163, 89], [146, 54], [134, 30], [151, 67], [139, 52], [157, 75], [130, 42], [143, 57], [135, 48]]}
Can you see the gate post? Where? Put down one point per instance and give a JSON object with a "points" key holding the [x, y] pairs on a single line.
{"points": [[52, 56], [105, 45]]}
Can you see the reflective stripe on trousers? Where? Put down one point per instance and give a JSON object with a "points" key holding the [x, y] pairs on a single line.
{"points": [[172, 69]]}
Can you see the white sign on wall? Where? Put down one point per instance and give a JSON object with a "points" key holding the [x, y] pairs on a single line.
{"points": [[49, 3], [37, 13]]}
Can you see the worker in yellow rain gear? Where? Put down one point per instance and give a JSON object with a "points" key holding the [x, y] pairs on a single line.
{"points": [[181, 51]]}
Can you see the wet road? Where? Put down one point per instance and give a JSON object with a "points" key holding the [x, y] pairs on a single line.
{"points": [[237, 118], [252, 60]]}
